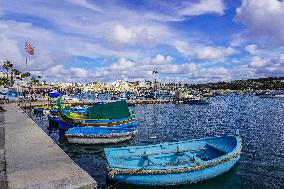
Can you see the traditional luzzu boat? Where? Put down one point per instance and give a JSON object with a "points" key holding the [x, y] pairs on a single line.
{"points": [[173, 163], [101, 135], [99, 115]]}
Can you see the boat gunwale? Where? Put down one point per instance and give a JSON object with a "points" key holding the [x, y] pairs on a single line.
{"points": [[80, 122]]}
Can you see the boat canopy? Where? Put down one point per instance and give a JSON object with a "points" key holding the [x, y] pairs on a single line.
{"points": [[111, 110]]}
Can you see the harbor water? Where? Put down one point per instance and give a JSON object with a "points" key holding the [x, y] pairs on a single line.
{"points": [[261, 125]]}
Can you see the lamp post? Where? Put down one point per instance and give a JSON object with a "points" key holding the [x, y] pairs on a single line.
{"points": [[155, 72]]}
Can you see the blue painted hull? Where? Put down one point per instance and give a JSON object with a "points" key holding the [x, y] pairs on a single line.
{"points": [[53, 121], [38, 110], [101, 135], [176, 179], [89, 131], [196, 102]]}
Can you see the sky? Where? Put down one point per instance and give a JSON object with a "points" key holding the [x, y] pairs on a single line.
{"points": [[193, 41]]}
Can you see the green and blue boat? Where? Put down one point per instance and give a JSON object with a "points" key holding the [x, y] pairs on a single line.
{"points": [[99, 115]]}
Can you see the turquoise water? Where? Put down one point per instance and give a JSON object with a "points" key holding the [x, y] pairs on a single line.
{"points": [[261, 124]]}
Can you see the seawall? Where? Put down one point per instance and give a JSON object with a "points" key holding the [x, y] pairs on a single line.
{"points": [[34, 161]]}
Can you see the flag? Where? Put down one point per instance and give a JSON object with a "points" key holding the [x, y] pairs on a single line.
{"points": [[29, 49]]}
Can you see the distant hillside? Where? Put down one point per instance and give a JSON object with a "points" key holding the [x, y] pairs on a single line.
{"points": [[256, 84]]}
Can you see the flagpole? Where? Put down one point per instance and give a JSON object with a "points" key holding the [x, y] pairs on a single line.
{"points": [[30, 51], [26, 64]]}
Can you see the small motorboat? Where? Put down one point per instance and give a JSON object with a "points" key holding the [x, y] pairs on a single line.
{"points": [[266, 94], [196, 100], [173, 163], [101, 135]]}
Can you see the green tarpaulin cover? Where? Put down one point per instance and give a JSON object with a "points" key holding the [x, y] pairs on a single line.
{"points": [[111, 110]]}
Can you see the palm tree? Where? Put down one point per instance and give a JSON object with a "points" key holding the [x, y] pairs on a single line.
{"points": [[35, 80], [16, 72], [7, 66], [25, 75]]}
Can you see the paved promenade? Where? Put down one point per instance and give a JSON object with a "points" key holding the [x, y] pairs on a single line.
{"points": [[3, 177], [33, 160]]}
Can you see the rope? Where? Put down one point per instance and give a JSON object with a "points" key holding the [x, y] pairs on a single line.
{"points": [[130, 174]]}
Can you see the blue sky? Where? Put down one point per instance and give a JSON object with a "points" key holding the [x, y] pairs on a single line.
{"points": [[193, 41]]}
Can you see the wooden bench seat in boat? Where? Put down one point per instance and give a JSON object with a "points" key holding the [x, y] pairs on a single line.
{"points": [[215, 147]]}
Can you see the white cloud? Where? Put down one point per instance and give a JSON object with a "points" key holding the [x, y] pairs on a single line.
{"points": [[85, 4], [10, 51], [213, 53], [160, 59], [256, 62], [130, 70], [268, 66], [56, 71], [182, 47], [162, 17], [134, 35], [202, 52], [263, 19], [125, 69], [252, 49], [204, 7], [120, 34], [78, 72], [237, 40], [212, 72], [122, 65]]}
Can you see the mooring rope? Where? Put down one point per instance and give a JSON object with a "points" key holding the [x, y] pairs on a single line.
{"points": [[130, 174]]}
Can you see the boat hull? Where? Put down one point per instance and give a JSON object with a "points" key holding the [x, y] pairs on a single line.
{"points": [[53, 121], [196, 102], [267, 96], [38, 110], [178, 178], [99, 140]]}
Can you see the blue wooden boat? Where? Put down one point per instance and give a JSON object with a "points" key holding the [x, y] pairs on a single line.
{"points": [[101, 135], [173, 163]]}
